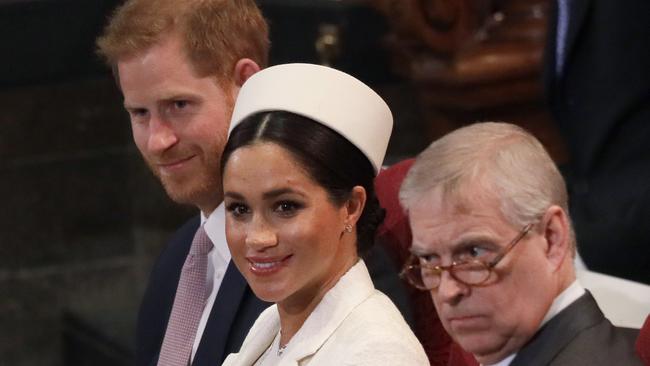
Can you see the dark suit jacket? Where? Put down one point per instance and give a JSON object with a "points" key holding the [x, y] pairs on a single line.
{"points": [[235, 309], [580, 335], [601, 102]]}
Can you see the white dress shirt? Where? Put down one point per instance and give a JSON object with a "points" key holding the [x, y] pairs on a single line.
{"points": [[218, 260]]}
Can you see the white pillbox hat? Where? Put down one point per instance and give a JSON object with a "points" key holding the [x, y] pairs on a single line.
{"points": [[331, 97]]}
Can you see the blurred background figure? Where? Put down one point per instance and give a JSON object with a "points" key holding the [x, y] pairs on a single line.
{"points": [[485, 60], [597, 82]]}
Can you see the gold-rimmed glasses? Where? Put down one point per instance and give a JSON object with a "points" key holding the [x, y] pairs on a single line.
{"points": [[426, 277]]}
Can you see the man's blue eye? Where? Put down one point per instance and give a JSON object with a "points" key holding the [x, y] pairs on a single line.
{"points": [[477, 251], [137, 112]]}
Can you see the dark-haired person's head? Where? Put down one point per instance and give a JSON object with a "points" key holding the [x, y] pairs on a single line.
{"points": [[327, 158], [298, 179]]}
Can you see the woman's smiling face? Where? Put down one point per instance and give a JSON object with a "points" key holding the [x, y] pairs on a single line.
{"points": [[285, 234]]}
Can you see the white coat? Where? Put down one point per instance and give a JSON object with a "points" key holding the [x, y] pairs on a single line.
{"points": [[354, 324]]}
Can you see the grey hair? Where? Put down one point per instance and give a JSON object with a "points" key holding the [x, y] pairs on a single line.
{"points": [[502, 158]]}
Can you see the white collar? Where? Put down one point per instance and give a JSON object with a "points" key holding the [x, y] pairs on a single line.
{"points": [[505, 362], [564, 299], [215, 227]]}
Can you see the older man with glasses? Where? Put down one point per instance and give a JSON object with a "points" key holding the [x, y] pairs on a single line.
{"points": [[493, 244]]}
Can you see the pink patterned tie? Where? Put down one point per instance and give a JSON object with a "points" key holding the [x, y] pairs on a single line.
{"points": [[188, 304]]}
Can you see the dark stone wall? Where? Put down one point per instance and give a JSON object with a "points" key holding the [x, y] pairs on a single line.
{"points": [[66, 224], [81, 223]]}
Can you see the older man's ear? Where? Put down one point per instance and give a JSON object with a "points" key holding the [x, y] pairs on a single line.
{"points": [[556, 233]]}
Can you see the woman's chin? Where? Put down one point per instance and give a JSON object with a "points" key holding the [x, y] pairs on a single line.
{"points": [[269, 292]]}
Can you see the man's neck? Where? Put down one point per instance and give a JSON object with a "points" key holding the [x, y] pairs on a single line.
{"points": [[567, 297], [208, 209]]}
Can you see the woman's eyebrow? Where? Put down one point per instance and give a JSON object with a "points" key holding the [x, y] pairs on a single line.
{"points": [[233, 195], [280, 191]]}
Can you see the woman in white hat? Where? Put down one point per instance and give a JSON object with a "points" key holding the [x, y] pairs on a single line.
{"points": [[305, 144]]}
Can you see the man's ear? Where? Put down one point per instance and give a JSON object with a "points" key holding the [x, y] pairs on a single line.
{"points": [[354, 205], [244, 68], [556, 233]]}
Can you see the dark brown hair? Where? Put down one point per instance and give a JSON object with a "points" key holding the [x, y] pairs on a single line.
{"points": [[328, 158]]}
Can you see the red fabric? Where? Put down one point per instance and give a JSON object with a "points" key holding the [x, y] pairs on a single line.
{"points": [[395, 234], [643, 342], [395, 226], [458, 357]]}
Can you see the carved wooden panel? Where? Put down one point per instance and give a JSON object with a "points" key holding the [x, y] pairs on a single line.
{"points": [[473, 60]]}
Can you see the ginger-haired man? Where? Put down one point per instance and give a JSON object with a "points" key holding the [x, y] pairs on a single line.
{"points": [[179, 65]]}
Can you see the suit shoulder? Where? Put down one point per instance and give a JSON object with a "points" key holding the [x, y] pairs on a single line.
{"points": [[187, 230], [181, 239], [602, 344]]}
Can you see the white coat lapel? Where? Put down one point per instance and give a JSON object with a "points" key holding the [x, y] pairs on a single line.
{"points": [[259, 337], [351, 290]]}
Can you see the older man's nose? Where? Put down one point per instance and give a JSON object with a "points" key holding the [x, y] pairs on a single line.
{"points": [[450, 290]]}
